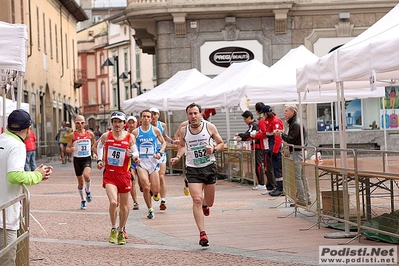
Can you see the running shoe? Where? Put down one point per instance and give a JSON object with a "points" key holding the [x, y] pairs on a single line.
{"points": [[113, 236], [203, 239], [162, 206], [63, 161], [83, 205], [121, 238], [276, 193], [60, 159], [125, 233], [151, 214], [259, 187], [266, 192], [69, 160], [136, 206], [88, 196], [206, 210], [156, 197]]}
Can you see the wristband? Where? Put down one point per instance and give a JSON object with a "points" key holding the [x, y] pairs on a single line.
{"points": [[99, 161]]}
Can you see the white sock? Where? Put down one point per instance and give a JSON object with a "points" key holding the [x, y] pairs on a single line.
{"points": [[81, 193], [163, 199], [88, 185]]}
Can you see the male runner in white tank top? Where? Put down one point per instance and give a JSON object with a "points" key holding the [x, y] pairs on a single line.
{"points": [[199, 142]]}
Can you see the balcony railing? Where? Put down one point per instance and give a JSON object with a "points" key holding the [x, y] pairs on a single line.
{"points": [[80, 77], [96, 109]]}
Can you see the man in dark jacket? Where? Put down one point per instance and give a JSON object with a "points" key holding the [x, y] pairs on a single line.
{"points": [[255, 145], [294, 137]]}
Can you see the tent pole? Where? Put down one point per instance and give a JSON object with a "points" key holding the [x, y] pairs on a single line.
{"points": [[384, 122], [167, 122], [19, 91], [227, 118], [385, 129], [4, 109], [344, 159], [301, 126], [332, 122], [228, 122]]}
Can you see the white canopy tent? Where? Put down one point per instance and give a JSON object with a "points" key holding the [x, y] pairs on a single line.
{"points": [[373, 50], [11, 106], [157, 97], [224, 90], [221, 91], [278, 84], [371, 58], [13, 39]]}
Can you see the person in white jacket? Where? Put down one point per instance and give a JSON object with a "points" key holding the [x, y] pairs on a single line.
{"points": [[12, 175]]}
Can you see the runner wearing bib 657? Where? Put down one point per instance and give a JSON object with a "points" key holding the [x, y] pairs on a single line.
{"points": [[199, 142]]}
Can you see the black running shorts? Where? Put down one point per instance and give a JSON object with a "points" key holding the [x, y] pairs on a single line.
{"points": [[80, 164], [207, 174]]}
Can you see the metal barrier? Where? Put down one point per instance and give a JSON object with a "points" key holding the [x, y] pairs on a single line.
{"points": [[232, 164], [171, 151], [356, 188], [377, 173], [307, 171], [22, 241], [48, 149], [338, 201]]}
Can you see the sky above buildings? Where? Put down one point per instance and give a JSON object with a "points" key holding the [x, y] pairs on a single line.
{"points": [[109, 3]]}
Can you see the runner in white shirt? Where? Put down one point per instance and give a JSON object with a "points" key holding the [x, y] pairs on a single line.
{"points": [[199, 142]]}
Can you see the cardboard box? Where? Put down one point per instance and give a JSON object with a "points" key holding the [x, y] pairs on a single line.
{"points": [[333, 202]]}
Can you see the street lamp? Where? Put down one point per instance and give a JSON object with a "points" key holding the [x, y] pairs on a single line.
{"points": [[135, 85], [124, 75], [109, 62]]}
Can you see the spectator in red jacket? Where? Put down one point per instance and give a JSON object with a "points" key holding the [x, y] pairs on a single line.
{"points": [[274, 123], [30, 143], [255, 145], [261, 138]]}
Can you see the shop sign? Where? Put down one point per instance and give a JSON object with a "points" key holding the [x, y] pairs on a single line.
{"points": [[225, 56]]}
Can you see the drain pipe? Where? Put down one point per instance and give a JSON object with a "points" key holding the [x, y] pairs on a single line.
{"points": [[30, 29], [62, 43]]}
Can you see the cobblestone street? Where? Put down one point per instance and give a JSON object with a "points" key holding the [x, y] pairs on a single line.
{"points": [[243, 228]]}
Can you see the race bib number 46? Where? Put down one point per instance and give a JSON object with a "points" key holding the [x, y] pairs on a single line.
{"points": [[116, 156]]}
